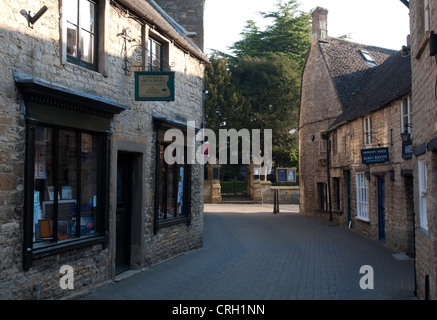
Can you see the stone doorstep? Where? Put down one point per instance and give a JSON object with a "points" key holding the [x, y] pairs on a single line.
{"points": [[125, 275]]}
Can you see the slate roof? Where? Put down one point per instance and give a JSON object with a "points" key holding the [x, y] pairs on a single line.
{"points": [[362, 87]]}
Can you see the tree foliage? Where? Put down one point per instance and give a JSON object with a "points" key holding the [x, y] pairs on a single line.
{"points": [[259, 87], [289, 33]]}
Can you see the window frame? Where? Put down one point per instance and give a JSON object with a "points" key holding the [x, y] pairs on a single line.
{"points": [[185, 216], [426, 16], [57, 245], [368, 58], [164, 43], [408, 101], [94, 66], [362, 191], [422, 179], [367, 130], [150, 54]]}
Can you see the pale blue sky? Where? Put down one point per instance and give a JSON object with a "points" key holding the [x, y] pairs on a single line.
{"points": [[383, 23]]}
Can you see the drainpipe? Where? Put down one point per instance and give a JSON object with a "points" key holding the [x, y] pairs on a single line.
{"points": [[328, 159]]}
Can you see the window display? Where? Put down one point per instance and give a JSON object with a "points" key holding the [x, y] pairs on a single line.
{"points": [[66, 165]]}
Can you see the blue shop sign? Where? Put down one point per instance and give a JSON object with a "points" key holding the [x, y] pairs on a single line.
{"points": [[407, 150], [376, 155]]}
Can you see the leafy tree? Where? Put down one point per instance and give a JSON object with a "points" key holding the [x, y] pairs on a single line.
{"points": [[289, 33], [272, 86], [259, 87]]}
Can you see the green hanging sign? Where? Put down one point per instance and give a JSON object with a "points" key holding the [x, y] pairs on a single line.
{"points": [[154, 86]]}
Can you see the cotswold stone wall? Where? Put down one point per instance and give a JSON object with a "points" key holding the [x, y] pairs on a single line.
{"points": [[386, 125], [319, 108], [424, 130], [37, 51]]}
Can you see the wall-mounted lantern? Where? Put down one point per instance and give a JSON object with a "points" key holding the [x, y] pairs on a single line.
{"points": [[405, 136], [392, 174]]}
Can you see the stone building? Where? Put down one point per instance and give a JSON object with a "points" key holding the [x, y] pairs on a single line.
{"points": [[88, 90], [423, 25], [189, 14], [354, 167]]}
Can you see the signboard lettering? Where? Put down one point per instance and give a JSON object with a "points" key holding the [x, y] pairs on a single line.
{"points": [[376, 155], [154, 86]]}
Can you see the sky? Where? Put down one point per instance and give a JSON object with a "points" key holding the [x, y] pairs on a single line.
{"points": [[382, 23]]}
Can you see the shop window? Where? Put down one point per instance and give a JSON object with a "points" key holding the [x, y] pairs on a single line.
{"points": [[173, 185], [81, 32], [67, 185], [362, 197]]}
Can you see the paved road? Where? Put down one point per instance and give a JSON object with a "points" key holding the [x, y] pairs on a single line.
{"points": [[251, 254]]}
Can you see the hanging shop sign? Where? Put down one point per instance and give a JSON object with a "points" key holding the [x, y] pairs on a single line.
{"points": [[375, 155], [407, 150], [154, 86]]}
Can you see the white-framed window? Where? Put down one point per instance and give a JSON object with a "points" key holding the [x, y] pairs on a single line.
{"points": [[422, 174], [426, 16], [406, 114], [362, 197], [367, 130]]}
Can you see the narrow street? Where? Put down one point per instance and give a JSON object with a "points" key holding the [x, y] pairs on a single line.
{"points": [[249, 253]]}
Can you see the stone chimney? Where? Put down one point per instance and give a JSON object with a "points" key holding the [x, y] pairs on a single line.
{"points": [[189, 14], [320, 25]]}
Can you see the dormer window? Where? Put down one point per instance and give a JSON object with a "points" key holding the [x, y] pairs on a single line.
{"points": [[368, 58]]}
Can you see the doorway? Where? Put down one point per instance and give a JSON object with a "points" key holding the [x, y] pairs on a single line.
{"points": [[381, 208], [123, 213]]}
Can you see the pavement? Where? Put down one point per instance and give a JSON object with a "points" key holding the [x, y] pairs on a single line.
{"points": [[249, 253]]}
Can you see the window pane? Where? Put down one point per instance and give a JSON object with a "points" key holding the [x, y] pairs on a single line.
{"points": [[70, 10], [67, 184], [89, 180], [180, 190], [161, 183], [87, 15], [71, 40], [43, 186], [154, 55], [87, 45], [170, 191]]}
